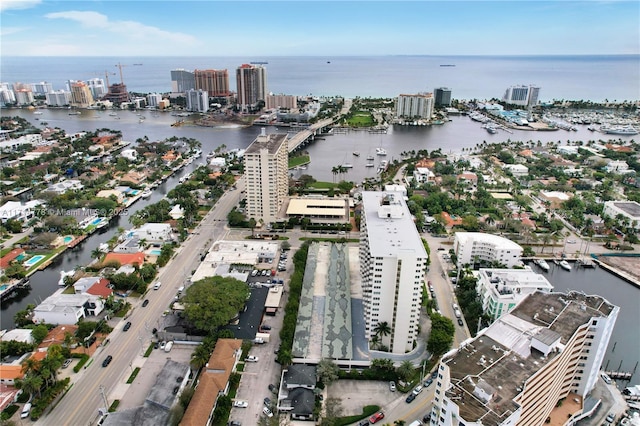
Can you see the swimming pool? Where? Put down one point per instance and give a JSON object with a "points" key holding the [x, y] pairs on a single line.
{"points": [[20, 257], [3, 287], [134, 192], [95, 221], [35, 259], [68, 239], [156, 252]]}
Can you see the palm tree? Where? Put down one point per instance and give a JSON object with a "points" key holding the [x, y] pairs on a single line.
{"points": [[374, 341], [405, 370], [31, 384], [382, 329], [96, 253], [200, 357]]}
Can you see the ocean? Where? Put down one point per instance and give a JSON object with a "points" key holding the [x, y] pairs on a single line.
{"points": [[595, 78]]}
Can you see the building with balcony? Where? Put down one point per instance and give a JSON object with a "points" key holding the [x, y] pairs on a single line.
{"points": [[392, 263], [281, 102], [415, 106], [251, 85], [266, 173], [58, 98], [501, 290], [81, 96], [442, 96], [550, 347], [525, 96], [478, 247], [214, 82], [197, 100]]}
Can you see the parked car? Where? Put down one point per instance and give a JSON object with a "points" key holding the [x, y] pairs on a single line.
{"points": [[145, 303], [364, 423], [267, 412], [460, 322], [254, 272], [376, 417], [25, 410], [273, 388], [163, 344], [267, 402], [417, 390], [67, 362], [107, 360], [251, 358], [410, 398], [127, 326], [392, 386], [240, 404], [610, 417], [265, 327], [434, 374], [428, 382]]}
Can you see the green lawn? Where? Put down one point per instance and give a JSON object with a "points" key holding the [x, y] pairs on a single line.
{"points": [[361, 119], [299, 160], [323, 185]]}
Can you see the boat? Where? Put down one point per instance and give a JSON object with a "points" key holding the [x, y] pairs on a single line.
{"points": [[113, 114], [565, 265], [356, 153], [369, 165], [146, 193], [63, 275], [447, 65], [622, 131], [491, 130], [370, 157], [38, 113], [381, 151], [141, 120], [347, 165], [383, 166], [75, 113], [542, 264]]}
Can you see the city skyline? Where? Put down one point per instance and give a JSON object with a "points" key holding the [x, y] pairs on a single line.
{"points": [[215, 28]]}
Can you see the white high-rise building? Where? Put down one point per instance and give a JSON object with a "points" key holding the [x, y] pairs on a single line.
{"points": [[58, 98], [97, 87], [415, 106], [266, 173], [154, 99], [23, 96], [41, 88], [393, 261], [478, 247], [500, 290], [197, 100], [550, 347], [526, 96], [7, 95]]}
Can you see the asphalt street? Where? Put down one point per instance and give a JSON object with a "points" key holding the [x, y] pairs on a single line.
{"points": [[80, 405]]}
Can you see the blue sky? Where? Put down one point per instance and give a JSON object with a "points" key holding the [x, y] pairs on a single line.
{"points": [[282, 28]]}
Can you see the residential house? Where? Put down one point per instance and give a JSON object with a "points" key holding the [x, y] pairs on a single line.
{"points": [[170, 157], [153, 233], [96, 286], [517, 170], [23, 335], [64, 186], [423, 175], [299, 383], [67, 308], [213, 382], [176, 212], [469, 180], [134, 177], [129, 154], [108, 193], [15, 210], [618, 167], [10, 257], [125, 258]]}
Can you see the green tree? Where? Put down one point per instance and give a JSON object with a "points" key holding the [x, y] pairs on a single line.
{"points": [[39, 332], [405, 370], [332, 412], [212, 302], [382, 329], [327, 371]]}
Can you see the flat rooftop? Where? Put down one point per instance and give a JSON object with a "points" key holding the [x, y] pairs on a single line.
{"points": [[270, 142], [631, 208], [502, 358]]}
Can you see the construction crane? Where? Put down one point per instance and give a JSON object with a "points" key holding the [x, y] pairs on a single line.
{"points": [[106, 75], [119, 65]]}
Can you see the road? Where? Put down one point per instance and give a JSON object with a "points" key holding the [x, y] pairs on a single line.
{"points": [[80, 405]]}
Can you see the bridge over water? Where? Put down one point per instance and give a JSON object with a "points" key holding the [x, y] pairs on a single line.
{"points": [[307, 135]]}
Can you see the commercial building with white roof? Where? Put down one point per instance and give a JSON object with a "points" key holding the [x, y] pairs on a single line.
{"points": [[471, 247], [392, 262], [629, 210]]}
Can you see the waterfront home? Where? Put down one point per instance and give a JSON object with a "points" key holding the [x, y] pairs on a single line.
{"points": [[64, 186], [15, 210], [108, 193], [129, 154], [134, 177], [23, 335], [423, 175], [170, 157], [62, 308], [96, 286], [176, 212], [153, 233], [10, 257], [125, 258]]}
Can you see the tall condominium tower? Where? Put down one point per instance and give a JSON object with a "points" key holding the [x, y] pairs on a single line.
{"points": [[81, 94], [182, 81], [443, 96], [266, 175], [415, 106], [251, 84], [550, 347], [526, 96], [197, 100], [214, 82], [392, 262], [97, 87]]}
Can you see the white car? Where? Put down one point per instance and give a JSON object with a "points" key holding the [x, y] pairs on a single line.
{"points": [[240, 404], [417, 390], [267, 412], [251, 358]]}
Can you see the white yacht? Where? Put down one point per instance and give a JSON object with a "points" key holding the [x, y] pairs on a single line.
{"points": [[381, 151], [565, 265], [542, 264]]}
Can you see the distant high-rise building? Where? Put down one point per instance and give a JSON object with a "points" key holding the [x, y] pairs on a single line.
{"points": [[393, 261], [58, 98], [7, 95], [197, 100], [154, 99], [41, 88], [519, 369], [442, 96], [266, 175], [24, 96], [251, 85], [81, 95], [281, 101], [415, 106], [117, 93], [97, 87], [526, 96], [214, 82], [182, 81]]}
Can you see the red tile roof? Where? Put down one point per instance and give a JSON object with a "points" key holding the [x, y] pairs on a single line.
{"points": [[9, 257], [125, 258], [101, 288]]}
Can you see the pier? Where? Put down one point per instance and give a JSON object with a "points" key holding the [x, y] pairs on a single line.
{"points": [[7, 290], [619, 375]]}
